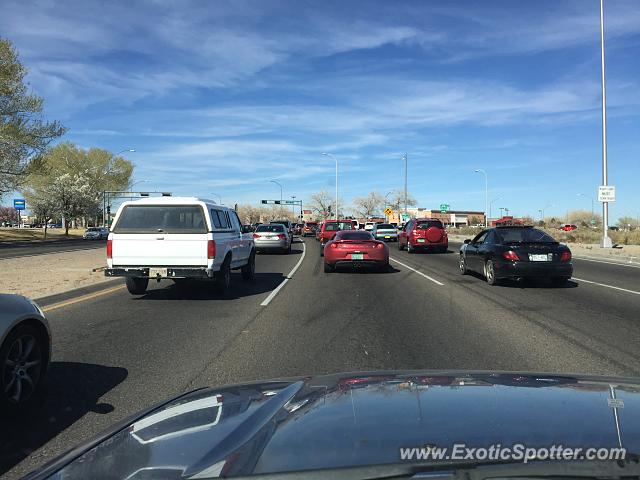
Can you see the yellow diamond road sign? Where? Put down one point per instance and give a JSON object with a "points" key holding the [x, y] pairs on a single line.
{"points": [[388, 211]]}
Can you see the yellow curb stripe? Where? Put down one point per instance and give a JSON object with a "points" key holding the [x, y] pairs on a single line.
{"points": [[83, 298]]}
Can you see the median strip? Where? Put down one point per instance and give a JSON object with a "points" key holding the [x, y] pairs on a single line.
{"points": [[417, 271], [288, 277]]}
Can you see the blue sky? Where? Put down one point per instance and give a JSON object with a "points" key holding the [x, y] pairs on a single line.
{"points": [[222, 97]]}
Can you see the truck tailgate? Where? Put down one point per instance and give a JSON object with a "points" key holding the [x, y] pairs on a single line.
{"points": [[161, 249]]}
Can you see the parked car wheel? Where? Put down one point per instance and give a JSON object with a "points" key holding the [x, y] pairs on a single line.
{"points": [[137, 285], [23, 357]]}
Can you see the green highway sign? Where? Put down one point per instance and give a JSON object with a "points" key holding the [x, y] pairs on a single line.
{"points": [[282, 202], [444, 207]]}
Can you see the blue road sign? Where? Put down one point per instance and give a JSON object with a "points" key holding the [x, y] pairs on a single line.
{"points": [[19, 203]]}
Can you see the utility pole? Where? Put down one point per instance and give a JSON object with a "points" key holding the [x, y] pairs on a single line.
{"points": [[406, 165], [606, 240]]}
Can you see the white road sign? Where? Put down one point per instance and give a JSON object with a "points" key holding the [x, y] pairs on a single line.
{"points": [[606, 193]]}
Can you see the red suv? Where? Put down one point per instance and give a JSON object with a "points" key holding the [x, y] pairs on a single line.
{"points": [[423, 233], [329, 229]]}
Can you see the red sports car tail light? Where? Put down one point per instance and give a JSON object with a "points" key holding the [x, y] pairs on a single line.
{"points": [[334, 245], [511, 255], [380, 245]]}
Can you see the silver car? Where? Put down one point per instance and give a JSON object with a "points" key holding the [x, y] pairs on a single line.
{"points": [[273, 236], [95, 233], [385, 232], [25, 349]]}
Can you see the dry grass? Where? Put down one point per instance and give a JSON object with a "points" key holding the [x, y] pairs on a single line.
{"points": [[37, 234]]}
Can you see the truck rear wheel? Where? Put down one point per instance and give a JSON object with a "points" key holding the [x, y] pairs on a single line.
{"points": [[223, 277], [249, 270], [137, 285]]}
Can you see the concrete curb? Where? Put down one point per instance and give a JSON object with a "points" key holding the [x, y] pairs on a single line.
{"points": [[76, 292]]}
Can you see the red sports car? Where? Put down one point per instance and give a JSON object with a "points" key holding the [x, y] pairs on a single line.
{"points": [[355, 248]]}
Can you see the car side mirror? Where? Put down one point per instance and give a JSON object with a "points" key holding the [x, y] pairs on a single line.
{"points": [[468, 240]]}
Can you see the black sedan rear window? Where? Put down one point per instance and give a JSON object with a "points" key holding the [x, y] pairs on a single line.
{"points": [[429, 223], [523, 235], [273, 228], [161, 218], [385, 226]]}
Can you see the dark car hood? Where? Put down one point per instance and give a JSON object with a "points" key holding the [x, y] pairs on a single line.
{"points": [[357, 419]]}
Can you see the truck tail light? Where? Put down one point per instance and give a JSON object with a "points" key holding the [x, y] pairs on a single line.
{"points": [[211, 249], [565, 257], [511, 255], [109, 249]]}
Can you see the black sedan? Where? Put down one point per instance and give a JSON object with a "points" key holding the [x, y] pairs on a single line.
{"points": [[516, 253]]}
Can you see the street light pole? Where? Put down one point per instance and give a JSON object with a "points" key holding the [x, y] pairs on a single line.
{"points": [[280, 185], [606, 240], [406, 165], [386, 197], [104, 193], [336, 160], [486, 195], [293, 206], [591, 198], [491, 205]]}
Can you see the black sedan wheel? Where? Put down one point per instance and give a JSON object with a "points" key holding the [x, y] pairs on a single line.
{"points": [[490, 273], [328, 268], [22, 358], [462, 264]]}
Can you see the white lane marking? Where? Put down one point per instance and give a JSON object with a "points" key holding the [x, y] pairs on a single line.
{"points": [[605, 285], [620, 264], [417, 271], [288, 277]]}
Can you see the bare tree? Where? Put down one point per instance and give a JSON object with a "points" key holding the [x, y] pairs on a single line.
{"points": [[321, 203], [369, 205], [396, 200]]}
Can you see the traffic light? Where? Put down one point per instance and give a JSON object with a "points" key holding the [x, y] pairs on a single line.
{"points": [[329, 209]]}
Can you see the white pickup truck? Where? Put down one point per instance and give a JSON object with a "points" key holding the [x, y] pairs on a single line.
{"points": [[178, 238]]}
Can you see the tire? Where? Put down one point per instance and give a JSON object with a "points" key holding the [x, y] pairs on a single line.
{"points": [[462, 265], [322, 250], [490, 273], [400, 247], [410, 248], [137, 285], [22, 371], [328, 268], [223, 277], [443, 249], [249, 270]]}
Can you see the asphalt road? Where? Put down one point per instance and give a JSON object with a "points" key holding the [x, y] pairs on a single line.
{"points": [[115, 354], [29, 249]]}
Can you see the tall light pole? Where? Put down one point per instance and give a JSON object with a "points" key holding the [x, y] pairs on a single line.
{"points": [[591, 198], [217, 195], [104, 193], [406, 167], [336, 160], [606, 240], [491, 204], [386, 199], [280, 185], [293, 206], [486, 195]]}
